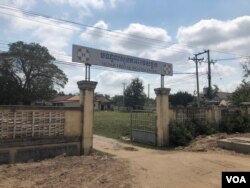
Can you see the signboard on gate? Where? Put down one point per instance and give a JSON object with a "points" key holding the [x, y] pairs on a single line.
{"points": [[93, 56]]}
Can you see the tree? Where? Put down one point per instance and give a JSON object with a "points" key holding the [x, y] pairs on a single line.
{"points": [[27, 74], [180, 98], [118, 100], [107, 96], [134, 95], [241, 94]]}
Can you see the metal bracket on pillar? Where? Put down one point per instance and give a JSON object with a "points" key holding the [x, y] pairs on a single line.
{"points": [[87, 72], [162, 81]]}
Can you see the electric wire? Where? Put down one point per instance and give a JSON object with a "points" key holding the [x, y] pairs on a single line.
{"points": [[131, 36]]}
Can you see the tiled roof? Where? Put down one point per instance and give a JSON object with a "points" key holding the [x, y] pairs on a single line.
{"points": [[102, 99], [68, 98], [61, 98], [74, 98]]}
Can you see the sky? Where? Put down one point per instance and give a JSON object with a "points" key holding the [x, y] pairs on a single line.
{"points": [[165, 30]]}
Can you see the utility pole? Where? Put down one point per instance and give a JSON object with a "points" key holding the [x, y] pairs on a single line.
{"points": [[196, 60], [209, 92], [148, 90], [209, 73], [123, 93]]}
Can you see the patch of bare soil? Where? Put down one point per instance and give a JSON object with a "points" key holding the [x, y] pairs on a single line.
{"points": [[152, 168], [209, 143], [78, 171]]}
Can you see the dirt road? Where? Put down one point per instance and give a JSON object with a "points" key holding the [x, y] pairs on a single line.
{"points": [[154, 168], [94, 171], [131, 167]]}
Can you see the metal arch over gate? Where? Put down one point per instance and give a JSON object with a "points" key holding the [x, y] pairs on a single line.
{"points": [[91, 56], [143, 127]]}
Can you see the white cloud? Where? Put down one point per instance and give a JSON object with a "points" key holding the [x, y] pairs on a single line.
{"points": [[138, 40], [97, 32], [113, 3], [138, 37], [110, 82], [232, 35], [85, 7], [96, 4], [176, 54], [134, 39], [229, 87], [26, 4], [54, 35], [224, 70]]}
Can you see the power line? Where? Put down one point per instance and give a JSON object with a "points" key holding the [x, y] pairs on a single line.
{"points": [[76, 23], [230, 59], [138, 40], [131, 36]]}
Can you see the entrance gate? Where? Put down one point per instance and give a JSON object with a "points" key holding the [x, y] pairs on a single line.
{"points": [[143, 126]]}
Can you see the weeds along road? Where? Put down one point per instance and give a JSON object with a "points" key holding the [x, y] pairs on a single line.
{"points": [[156, 168]]}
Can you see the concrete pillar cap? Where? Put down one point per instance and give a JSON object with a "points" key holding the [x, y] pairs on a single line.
{"points": [[162, 91], [82, 85]]}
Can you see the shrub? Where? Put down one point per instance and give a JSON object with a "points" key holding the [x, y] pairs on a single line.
{"points": [[236, 122], [203, 128], [182, 133]]}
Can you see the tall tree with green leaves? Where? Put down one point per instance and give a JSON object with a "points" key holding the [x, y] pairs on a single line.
{"points": [[118, 100], [134, 94], [180, 98], [27, 74], [242, 93]]}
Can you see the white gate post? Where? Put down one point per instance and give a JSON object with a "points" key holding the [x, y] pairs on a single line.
{"points": [[87, 102], [162, 111]]}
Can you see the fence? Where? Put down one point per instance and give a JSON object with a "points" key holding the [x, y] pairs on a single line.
{"points": [[209, 114], [19, 125], [32, 132], [183, 115], [143, 126]]}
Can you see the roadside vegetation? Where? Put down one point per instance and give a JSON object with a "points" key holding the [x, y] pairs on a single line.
{"points": [[117, 124], [182, 133]]}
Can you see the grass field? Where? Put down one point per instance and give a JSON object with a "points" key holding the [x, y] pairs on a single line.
{"points": [[112, 124]]}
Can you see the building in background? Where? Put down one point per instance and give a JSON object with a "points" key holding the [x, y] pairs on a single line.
{"points": [[100, 102]]}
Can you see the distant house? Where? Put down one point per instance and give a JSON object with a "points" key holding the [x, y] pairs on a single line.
{"points": [[100, 102], [60, 100], [220, 99]]}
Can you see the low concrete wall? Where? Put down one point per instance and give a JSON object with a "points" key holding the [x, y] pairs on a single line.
{"points": [[31, 133], [36, 150], [241, 145]]}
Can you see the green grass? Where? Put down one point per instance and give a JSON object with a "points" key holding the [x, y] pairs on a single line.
{"points": [[116, 124], [112, 124]]}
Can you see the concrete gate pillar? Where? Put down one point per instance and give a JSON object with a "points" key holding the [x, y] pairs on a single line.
{"points": [[162, 111], [87, 103]]}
